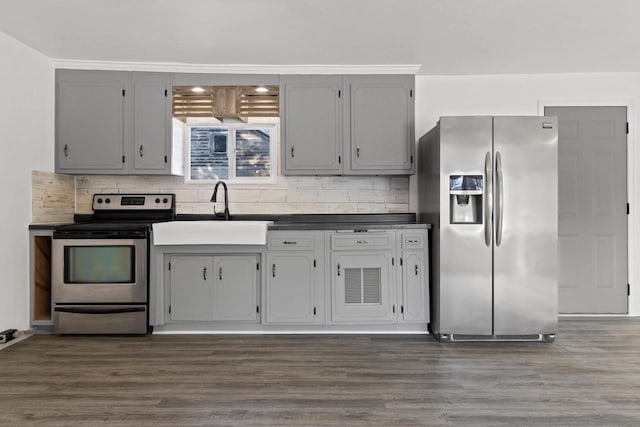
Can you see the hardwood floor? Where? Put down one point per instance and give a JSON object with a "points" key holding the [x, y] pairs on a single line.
{"points": [[589, 376]]}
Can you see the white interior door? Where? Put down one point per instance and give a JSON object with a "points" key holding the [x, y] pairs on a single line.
{"points": [[592, 208]]}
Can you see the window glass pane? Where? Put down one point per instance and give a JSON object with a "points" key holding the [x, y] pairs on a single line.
{"points": [[209, 156], [252, 152], [99, 264]]}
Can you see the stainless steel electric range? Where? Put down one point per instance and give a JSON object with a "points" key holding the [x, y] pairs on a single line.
{"points": [[100, 268]]}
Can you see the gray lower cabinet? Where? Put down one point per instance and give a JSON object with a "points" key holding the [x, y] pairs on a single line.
{"points": [[363, 277], [212, 288], [294, 291], [374, 135], [413, 292], [235, 288], [191, 288], [113, 122]]}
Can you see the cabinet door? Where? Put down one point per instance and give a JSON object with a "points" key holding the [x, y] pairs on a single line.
{"points": [[151, 124], [361, 288], [312, 107], [190, 287], [235, 287], [381, 124], [290, 290], [90, 121], [414, 287]]}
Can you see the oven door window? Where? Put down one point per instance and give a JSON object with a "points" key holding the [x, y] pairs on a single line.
{"points": [[99, 264]]}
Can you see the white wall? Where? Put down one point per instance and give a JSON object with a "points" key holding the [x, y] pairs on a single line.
{"points": [[26, 143], [521, 95]]}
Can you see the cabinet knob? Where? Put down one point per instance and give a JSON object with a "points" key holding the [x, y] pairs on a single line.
{"points": [[204, 273], [292, 152], [416, 269], [220, 273], [273, 270], [141, 150], [66, 150], [338, 269], [357, 151]]}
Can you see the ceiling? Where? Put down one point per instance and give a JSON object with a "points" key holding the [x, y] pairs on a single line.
{"points": [[444, 36]]}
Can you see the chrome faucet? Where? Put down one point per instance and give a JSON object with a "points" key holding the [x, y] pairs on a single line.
{"points": [[214, 199]]}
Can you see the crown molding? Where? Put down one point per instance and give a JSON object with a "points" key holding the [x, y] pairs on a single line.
{"points": [[175, 67]]}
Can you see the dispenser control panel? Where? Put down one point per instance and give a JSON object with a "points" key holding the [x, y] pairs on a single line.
{"points": [[465, 199]]}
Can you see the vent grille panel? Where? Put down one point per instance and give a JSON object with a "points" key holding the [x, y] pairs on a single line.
{"points": [[352, 286], [371, 285]]}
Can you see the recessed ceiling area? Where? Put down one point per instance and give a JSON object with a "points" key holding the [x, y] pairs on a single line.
{"points": [[445, 37]]}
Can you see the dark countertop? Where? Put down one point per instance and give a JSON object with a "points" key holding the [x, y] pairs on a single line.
{"points": [[323, 221], [344, 226], [298, 221], [51, 226], [401, 218]]}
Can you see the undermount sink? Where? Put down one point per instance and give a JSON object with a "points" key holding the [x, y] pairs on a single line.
{"points": [[210, 233]]}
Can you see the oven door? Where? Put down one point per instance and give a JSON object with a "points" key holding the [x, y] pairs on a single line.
{"points": [[99, 270]]}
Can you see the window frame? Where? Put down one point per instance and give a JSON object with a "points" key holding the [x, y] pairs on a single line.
{"points": [[274, 132]]}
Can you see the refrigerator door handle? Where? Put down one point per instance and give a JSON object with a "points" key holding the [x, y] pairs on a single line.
{"points": [[499, 198], [488, 198]]}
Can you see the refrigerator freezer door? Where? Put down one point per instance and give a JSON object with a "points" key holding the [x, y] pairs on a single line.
{"points": [[465, 300], [525, 261]]}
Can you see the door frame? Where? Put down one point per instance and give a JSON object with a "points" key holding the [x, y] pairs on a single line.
{"points": [[633, 187]]}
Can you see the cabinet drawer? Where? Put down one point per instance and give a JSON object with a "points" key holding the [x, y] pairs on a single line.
{"points": [[413, 241], [292, 242], [370, 240]]}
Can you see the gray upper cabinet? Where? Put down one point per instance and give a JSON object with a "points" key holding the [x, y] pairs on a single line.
{"points": [[91, 133], [312, 131], [113, 122], [151, 122], [381, 124], [348, 125]]}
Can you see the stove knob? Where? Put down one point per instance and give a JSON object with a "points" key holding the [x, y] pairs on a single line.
{"points": [[107, 200], [99, 200], [157, 200], [165, 200]]}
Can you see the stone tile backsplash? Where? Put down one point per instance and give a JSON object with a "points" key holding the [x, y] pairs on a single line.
{"points": [[52, 197], [300, 194]]}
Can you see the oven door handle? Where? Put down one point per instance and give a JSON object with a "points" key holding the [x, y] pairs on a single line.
{"points": [[79, 310]]}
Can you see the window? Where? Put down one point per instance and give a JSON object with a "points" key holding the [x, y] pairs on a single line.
{"points": [[236, 152]]}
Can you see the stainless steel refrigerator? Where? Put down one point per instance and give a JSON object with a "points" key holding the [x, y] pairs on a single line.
{"points": [[489, 186]]}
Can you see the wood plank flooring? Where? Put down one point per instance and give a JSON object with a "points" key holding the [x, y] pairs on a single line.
{"points": [[589, 376]]}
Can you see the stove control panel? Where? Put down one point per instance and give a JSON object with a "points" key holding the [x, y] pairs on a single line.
{"points": [[132, 202]]}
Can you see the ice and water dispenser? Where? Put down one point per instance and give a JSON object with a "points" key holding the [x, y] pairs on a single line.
{"points": [[465, 199]]}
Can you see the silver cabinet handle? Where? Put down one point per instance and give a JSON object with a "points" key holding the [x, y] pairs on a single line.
{"points": [[360, 242], [66, 150], [357, 151], [416, 269], [338, 269], [220, 273], [289, 242], [141, 150], [292, 152], [488, 198], [204, 273], [273, 270], [499, 198]]}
